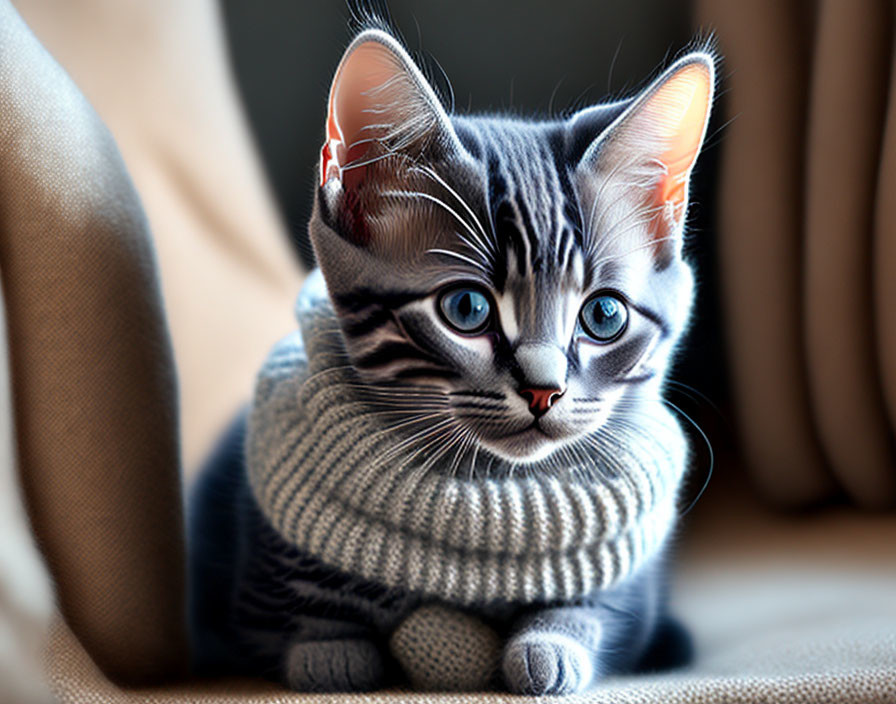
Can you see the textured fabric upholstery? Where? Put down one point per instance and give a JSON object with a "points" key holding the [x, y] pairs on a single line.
{"points": [[156, 72], [96, 398], [93, 379], [26, 600], [847, 100]]}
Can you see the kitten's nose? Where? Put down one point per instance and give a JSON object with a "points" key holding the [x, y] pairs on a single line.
{"points": [[540, 400]]}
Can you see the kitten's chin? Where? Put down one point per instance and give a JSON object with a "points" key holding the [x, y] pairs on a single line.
{"points": [[530, 445]]}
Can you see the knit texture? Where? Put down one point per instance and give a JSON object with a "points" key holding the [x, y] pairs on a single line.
{"points": [[338, 482], [442, 649]]}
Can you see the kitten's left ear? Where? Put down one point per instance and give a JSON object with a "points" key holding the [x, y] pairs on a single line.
{"points": [[378, 95], [650, 149]]}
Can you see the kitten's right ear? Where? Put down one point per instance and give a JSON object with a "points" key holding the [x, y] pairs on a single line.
{"points": [[379, 97], [647, 154]]}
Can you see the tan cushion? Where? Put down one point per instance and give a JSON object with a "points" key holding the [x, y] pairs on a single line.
{"points": [[93, 376], [850, 70], [156, 71], [25, 596], [806, 241]]}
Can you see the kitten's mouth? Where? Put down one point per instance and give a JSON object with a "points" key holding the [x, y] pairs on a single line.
{"points": [[534, 429], [529, 444], [535, 426]]}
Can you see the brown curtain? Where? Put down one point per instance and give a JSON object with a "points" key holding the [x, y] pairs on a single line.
{"points": [[807, 243]]}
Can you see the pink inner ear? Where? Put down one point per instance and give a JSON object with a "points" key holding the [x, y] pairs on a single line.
{"points": [[363, 92], [353, 176], [678, 112]]}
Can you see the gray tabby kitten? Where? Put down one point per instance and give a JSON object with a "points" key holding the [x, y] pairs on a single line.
{"points": [[460, 472]]}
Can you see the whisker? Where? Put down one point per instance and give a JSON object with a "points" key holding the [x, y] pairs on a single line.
{"points": [[461, 257], [608, 180], [698, 394], [438, 179], [651, 243], [437, 201], [489, 405], [632, 221], [712, 459]]}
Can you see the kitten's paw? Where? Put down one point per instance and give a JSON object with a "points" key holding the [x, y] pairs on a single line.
{"points": [[349, 665], [546, 663]]}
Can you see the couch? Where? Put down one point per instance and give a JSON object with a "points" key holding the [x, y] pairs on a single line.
{"points": [[144, 272]]}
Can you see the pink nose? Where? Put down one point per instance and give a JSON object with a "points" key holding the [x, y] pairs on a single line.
{"points": [[540, 400]]}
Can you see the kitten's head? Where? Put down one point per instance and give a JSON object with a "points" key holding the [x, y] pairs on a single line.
{"points": [[523, 281]]}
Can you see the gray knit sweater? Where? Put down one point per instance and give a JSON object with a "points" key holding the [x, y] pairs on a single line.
{"points": [[341, 485]]}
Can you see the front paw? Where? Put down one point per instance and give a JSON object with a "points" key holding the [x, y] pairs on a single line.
{"points": [[546, 663], [346, 665]]}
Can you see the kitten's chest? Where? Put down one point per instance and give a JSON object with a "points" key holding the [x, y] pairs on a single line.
{"points": [[301, 586], [289, 592]]}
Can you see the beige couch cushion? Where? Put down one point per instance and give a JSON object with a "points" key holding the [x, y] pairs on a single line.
{"points": [[96, 397], [26, 599], [848, 96], [93, 377], [884, 257], [156, 71], [760, 244]]}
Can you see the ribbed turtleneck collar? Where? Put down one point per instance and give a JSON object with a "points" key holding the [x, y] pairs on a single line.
{"points": [[341, 484]]}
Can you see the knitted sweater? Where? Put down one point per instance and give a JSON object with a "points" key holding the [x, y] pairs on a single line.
{"points": [[340, 484]]}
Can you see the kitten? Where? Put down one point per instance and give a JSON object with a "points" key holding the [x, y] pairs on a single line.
{"points": [[460, 471]]}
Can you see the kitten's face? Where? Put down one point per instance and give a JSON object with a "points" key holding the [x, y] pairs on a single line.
{"points": [[518, 284]]}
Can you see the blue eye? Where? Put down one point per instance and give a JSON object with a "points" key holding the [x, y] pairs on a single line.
{"points": [[604, 317], [466, 310]]}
